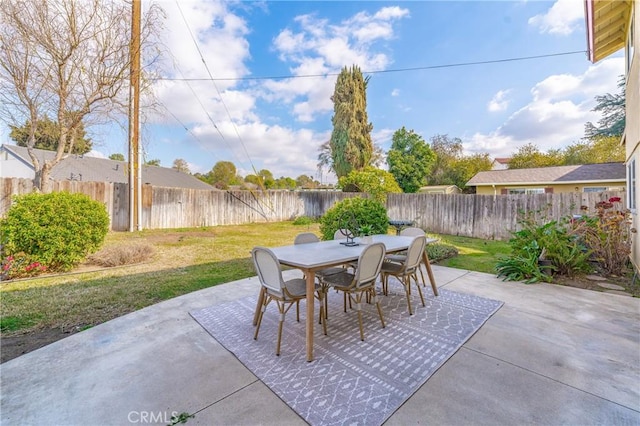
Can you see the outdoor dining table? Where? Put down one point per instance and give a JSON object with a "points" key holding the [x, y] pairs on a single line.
{"points": [[315, 256]]}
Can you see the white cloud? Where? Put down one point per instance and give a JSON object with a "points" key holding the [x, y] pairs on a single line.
{"points": [[559, 108], [395, 92], [562, 18], [319, 47], [499, 101]]}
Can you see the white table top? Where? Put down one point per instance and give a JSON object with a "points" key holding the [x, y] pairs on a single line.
{"points": [[330, 253]]}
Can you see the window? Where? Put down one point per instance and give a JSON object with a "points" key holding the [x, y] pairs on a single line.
{"points": [[631, 185], [594, 189], [525, 191], [629, 48]]}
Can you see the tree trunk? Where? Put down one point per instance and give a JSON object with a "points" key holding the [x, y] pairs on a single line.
{"points": [[42, 180]]}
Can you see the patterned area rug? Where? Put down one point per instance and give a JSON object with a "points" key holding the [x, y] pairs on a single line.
{"points": [[350, 382]]}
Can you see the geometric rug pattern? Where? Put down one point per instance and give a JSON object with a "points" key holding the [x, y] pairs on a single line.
{"points": [[350, 382]]}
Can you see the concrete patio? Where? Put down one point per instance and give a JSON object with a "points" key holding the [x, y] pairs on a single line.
{"points": [[551, 355]]}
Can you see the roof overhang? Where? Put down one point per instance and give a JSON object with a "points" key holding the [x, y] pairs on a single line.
{"points": [[607, 24], [553, 182]]}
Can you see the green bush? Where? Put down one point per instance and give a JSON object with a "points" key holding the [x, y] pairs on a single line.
{"points": [[368, 213], [524, 266], [439, 251], [556, 241], [303, 220], [56, 230]]}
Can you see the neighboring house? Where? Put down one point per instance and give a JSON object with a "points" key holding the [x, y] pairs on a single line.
{"points": [[15, 163], [582, 178], [439, 189], [611, 26], [500, 164]]}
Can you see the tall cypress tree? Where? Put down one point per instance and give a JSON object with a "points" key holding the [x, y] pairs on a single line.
{"points": [[351, 145]]}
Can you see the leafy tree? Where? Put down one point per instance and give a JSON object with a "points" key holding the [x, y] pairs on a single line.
{"points": [[69, 60], [613, 114], [467, 167], [409, 159], [306, 182], [529, 156], [267, 178], [325, 158], [285, 183], [117, 156], [153, 162], [47, 136], [181, 165], [222, 175], [452, 166], [596, 149], [350, 143], [254, 179], [373, 181], [448, 151]]}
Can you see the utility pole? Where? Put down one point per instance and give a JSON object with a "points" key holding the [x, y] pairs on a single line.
{"points": [[135, 178]]}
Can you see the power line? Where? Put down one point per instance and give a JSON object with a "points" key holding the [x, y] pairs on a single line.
{"points": [[427, 67], [216, 87]]}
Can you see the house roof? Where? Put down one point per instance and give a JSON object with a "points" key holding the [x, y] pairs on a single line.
{"points": [[586, 173], [502, 160], [607, 23], [94, 169]]}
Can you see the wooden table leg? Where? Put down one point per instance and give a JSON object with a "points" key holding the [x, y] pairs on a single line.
{"points": [[432, 280], [311, 289], [258, 306]]}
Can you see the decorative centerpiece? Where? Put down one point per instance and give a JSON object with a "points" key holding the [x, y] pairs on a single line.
{"points": [[365, 232], [347, 223]]}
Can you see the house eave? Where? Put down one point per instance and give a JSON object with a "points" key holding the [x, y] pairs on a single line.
{"points": [[568, 182], [606, 24]]}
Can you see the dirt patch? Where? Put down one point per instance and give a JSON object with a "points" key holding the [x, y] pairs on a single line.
{"points": [[593, 284], [13, 346]]}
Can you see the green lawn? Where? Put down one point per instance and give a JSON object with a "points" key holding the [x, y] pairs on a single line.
{"points": [[185, 260], [474, 254]]}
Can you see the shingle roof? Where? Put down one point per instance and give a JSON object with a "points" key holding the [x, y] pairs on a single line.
{"points": [[612, 172], [502, 160], [94, 169]]}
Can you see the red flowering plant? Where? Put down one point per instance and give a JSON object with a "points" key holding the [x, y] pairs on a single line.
{"points": [[607, 233], [19, 266]]}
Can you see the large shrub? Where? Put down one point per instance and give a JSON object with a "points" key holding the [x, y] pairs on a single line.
{"points": [[375, 182], [608, 234], [368, 213], [57, 230], [555, 242]]}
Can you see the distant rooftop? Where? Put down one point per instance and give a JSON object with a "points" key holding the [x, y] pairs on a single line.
{"points": [[603, 172], [93, 169]]}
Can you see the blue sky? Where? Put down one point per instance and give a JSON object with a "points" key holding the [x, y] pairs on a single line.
{"points": [[278, 124]]}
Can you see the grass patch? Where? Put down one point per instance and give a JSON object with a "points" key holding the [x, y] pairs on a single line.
{"points": [[18, 322], [184, 260], [474, 254]]}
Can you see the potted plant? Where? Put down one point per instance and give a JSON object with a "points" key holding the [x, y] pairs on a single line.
{"points": [[365, 232]]}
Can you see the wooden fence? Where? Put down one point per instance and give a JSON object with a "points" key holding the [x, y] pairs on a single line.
{"points": [[480, 216]]}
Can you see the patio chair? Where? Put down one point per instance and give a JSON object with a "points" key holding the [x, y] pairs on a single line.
{"points": [[406, 270], [361, 282], [310, 237], [274, 288], [401, 257]]}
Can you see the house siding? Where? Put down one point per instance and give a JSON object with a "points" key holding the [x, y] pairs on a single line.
{"points": [[12, 166], [555, 189], [632, 129]]}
